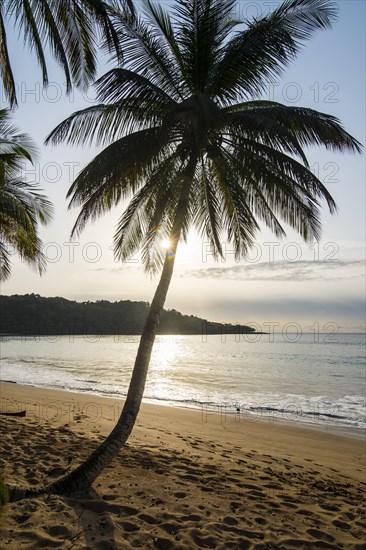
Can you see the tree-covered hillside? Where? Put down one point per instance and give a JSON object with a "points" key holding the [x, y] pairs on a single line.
{"points": [[32, 314]]}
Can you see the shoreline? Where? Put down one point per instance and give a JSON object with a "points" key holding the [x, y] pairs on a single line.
{"points": [[66, 407], [185, 479], [266, 416]]}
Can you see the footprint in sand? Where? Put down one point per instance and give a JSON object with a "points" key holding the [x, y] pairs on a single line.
{"points": [[317, 534], [341, 525], [128, 526], [330, 507], [148, 519], [180, 494], [128, 511]]}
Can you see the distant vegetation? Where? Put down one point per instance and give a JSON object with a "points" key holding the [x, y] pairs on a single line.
{"points": [[32, 314]]}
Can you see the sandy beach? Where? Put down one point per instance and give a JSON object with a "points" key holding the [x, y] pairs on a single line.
{"points": [[187, 479]]}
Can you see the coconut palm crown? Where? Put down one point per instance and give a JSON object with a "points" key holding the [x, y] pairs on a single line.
{"points": [[188, 133], [188, 137], [22, 207]]}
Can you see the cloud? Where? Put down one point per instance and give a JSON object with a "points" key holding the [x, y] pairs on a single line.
{"points": [[330, 311], [352, 245], [284, 271], [122, 269]]}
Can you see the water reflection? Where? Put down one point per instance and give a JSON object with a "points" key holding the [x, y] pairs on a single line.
{"points": [[165, 353], [188, 370]]}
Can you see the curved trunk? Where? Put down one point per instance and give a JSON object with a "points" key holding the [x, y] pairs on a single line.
{"points": [[85, 474]]}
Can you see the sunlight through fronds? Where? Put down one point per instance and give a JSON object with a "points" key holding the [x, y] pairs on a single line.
{"points": [[189, 137]]}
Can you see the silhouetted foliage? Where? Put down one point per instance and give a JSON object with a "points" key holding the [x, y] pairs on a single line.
{"points": [[34, 315]]}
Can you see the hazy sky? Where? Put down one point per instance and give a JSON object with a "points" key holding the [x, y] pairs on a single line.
{"points": [[317, 287]]}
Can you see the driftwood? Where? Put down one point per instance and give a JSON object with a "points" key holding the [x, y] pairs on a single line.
{"points": [[20, 413]]}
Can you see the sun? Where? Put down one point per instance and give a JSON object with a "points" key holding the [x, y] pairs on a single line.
{"points": [[165, 243]]}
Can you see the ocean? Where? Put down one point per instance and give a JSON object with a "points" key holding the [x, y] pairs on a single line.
{"points": [[313, 379]]}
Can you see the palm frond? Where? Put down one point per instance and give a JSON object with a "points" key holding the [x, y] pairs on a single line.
{"points": [[237, 219], [5, 66], [104, 123], [273, 192], [54, 32], [115, 173], [21, 209], [207, 210], [26, 18], [68, 29], [303, 17], [162, 210], [145, 55], [132, 226], [307, 126], [13, 141], [156, 207], [100, 123], [121, 83], [157, 196], [23, 201], [251, 154], [80, 41], [163, 31], [104, 14], [255, 198], [28, 246], [5, 261], [247, 125], [260, 53], [22, 206], [204, 26]]}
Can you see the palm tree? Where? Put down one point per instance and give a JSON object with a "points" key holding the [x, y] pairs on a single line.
{"points": [[67, 27], [22, 208], [188, 137]]}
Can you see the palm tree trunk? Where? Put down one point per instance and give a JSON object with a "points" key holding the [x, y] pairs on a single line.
{"points": [[85, 474]]}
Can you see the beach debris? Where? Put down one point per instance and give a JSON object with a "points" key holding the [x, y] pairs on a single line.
{"points": [[18, 413]]}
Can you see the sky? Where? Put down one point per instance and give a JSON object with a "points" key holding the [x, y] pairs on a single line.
{"points": [[283, 285]]}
